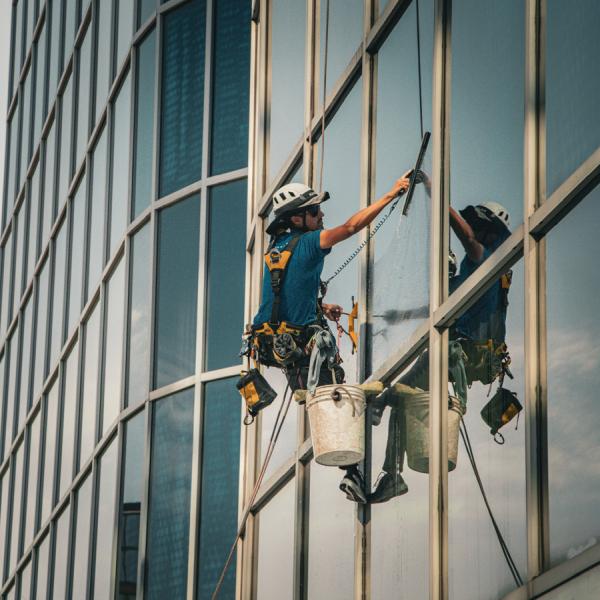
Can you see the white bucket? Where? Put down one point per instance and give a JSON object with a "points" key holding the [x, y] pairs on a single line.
{"points": [[337, 424]]}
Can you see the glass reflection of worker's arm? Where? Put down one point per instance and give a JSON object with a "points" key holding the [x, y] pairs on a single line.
{"points": [[464, 232]]}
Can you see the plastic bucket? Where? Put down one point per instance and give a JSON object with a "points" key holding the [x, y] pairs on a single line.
{"points": [[337, 424], [416, 407]]}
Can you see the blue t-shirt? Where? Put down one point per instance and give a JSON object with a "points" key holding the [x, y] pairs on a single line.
{"points": [[301, 284], [486, 319]]}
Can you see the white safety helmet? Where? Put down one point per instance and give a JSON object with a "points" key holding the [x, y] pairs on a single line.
{"points": [[498, 211], [291, 198], [487, 213]]}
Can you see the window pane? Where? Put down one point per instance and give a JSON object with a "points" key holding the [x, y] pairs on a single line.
{"points": [[17, 499], [25, 369], [125, 25], [145, 9], [231, 86], [287, 80], [219, 498], [177, 291], [53, 10], [81, 539], [277, 548], [12, 132], [58, 295], [83, 96], [7, 271], [77, 253], [3, 361], [113, 346], [18, 40], [49, 451], [66, 129], [488, 79], [26, 126], [49, 183], [573, 283], [34, 225], [477, 566], [169, 510], [43, 553], [90, 384], [105, 521], [399, 279], [41, 330], [572, 86], [226, 267], [4, 519], [32, 482], [19, 220], [97, 214], [69, 424], [138, 350], [70, 7], [40, 84], [120, 164], [131, 503], [25, 581], [182, 96], [11, 397], [144, 124], [61, 547], [104, 14]]}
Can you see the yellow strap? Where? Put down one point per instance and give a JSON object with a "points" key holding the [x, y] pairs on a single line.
{"points": [[352, 316], [277, 260]]}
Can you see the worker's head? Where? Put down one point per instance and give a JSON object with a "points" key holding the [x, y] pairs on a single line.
{"points": [[297, 206], [490, 222]]}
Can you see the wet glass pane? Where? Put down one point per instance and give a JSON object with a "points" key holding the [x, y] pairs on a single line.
{"points": [[330, 536], [488, 79], [66, 130], [138, 349], [53, 10], [4, 514], [90, 384], [61, 547], [113, 345], [104, 16], [68, 422], [145, 10], [5, 295], [226, 268], [83, 96], [25, 369], [130, 507], [477, 566], [287, 80], [399, 523], [34, 225], [341, 178], [276, 548], [17, 499], [169, 509], [125, 29], [81, 538], [182, 96], [219, 498], [50, 433], [231, 86], [32, 481], [144, 124], [97, 212], [58, 294], [573, 378], [11, 389], [43, 556], [120, 164], [76, 259], [105, 521], [40, 84], [572, 87], [26, 125], [176, 294], [49, 183], [41, 329], [345, 35]]}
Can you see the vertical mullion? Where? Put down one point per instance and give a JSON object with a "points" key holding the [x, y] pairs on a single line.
{"points": [[438, 340], [535, 300]]}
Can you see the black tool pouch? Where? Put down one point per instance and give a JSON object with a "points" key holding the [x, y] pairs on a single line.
{"points": [[256, 392], [500, 410]]}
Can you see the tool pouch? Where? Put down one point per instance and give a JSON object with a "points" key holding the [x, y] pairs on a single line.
{"points": [[500, 410], [256, 392]]}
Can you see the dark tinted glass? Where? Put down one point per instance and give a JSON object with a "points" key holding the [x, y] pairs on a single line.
{"points": [[219, 496], [176, 301], [144, 124], [169, 510], [226, 265], [182, 96], [231, 85]]}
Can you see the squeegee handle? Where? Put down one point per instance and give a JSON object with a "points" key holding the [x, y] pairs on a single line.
{"points": [[415, 172]]}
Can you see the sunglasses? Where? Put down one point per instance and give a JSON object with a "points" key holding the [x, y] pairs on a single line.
{"points": [[313, 210]]}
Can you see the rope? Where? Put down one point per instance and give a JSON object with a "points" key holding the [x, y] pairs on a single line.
{"points": [[505, 551], [279, 420], [322, 158]]}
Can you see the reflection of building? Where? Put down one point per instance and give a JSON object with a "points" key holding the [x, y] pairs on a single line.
{"points": [[123, 270]]}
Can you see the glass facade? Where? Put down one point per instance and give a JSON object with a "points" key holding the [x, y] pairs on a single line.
{"points": [[131, 255]]}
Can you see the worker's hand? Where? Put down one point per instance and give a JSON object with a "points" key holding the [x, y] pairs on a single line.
{"points": [[332, 311], [401, 185]]}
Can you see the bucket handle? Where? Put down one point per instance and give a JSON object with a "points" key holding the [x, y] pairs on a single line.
{"points": [[336, 396]]}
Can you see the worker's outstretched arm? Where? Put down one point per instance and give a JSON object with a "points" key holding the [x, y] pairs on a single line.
{"points": [[359, 220], [464, 232]]}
